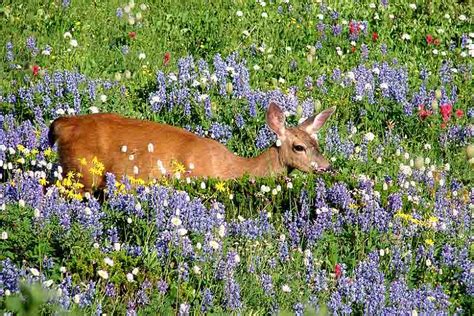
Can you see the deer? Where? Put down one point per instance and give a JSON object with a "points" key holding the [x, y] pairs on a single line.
{"points": [[150, 150]]}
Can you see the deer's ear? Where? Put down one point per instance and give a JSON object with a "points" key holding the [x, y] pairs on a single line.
{"points": [[314, 123], [276, 119]]}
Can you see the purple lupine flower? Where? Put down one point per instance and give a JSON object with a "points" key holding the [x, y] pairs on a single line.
{"points": [[31, 45], [299, 309], [308, 82], [232, 294], [9, 56], [336, 29], [265, 137], [308, 107], [221, 73], [162, 287], [364, 49], [267, 284], [119, 12], [239, 121], [207, 300]]}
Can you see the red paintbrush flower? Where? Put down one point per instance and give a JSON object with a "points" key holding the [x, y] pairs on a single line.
{"points": [[166, 58], [375, 36], [35, 70], [459, 113], [429, 39], [446, 110], [338, 270], [132, 35]]}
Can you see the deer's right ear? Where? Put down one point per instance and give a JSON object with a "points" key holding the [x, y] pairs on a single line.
{"points": [[276, 119]]}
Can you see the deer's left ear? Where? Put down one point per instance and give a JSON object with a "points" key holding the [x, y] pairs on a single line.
{"points": [[314, 123]]}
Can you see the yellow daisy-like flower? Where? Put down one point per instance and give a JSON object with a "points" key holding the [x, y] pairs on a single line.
{"points": [[48, 152], [43, 181], [220, 186], [177, 167], [429, 242], [20, 148]]}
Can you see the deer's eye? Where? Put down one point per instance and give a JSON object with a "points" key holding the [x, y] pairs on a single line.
{"points": [[298, 148]]}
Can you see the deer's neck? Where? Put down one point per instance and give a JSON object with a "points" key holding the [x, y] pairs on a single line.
{"points": [[267, 163]]}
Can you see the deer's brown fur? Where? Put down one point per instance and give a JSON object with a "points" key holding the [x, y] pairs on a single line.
{"points": [[105, 135]]}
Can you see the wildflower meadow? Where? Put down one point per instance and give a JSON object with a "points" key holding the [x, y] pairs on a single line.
{"points": [[387, 232]]}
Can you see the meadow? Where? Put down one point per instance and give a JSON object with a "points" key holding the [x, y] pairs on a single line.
{"points": [[389, 232]]}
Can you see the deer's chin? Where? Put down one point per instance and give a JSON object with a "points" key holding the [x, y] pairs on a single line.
{"points": [[322, 170]]}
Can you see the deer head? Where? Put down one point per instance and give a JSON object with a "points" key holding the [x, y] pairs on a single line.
{"points": [[298, 146]]}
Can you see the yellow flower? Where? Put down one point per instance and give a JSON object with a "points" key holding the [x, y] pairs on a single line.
{"points": [[433, 219], [20, 148], [83, 161], [43, 181], [220, 186], [429, 242], [97, 167], [177, 167], [48, 152], [70, 174]]}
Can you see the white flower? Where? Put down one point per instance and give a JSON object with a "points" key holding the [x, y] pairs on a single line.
{"points": [[320, 16], [141, 56], [130, 277], [414, 312], [129, 220], [264, 15], [285, 288], [214, 244], [77, 298], [428, 262], [239, 13], [94, 109], [369, 136], [135, 271], [88, 211], [34, 271], [21, 203], [123, 149], [117, 246], [221, 231], [412, 6], [462, 17], [48, 283], [391, 16], [372, 5], [108, 261], [278, 143], [4, 235], [406, 36], [73, 43], [203, 185], [62, 269], [382, 252], [256, 67], [447, 16], [176, 221], [435, 51], [197, 270], [143, 7], [67, 35], [182, 231], [103, 98]]}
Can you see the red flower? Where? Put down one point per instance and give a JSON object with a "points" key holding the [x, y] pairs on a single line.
{"points": [[436, 42], [375, 36], [459, 113], [36, 70], [353, 49], [446, 110], [338, 270], [132, 35], [443, 125], [423, 113], [166, 58], [429, 39]]}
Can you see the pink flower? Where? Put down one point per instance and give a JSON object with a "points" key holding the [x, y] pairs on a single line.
{"points": [[446, 110]]}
